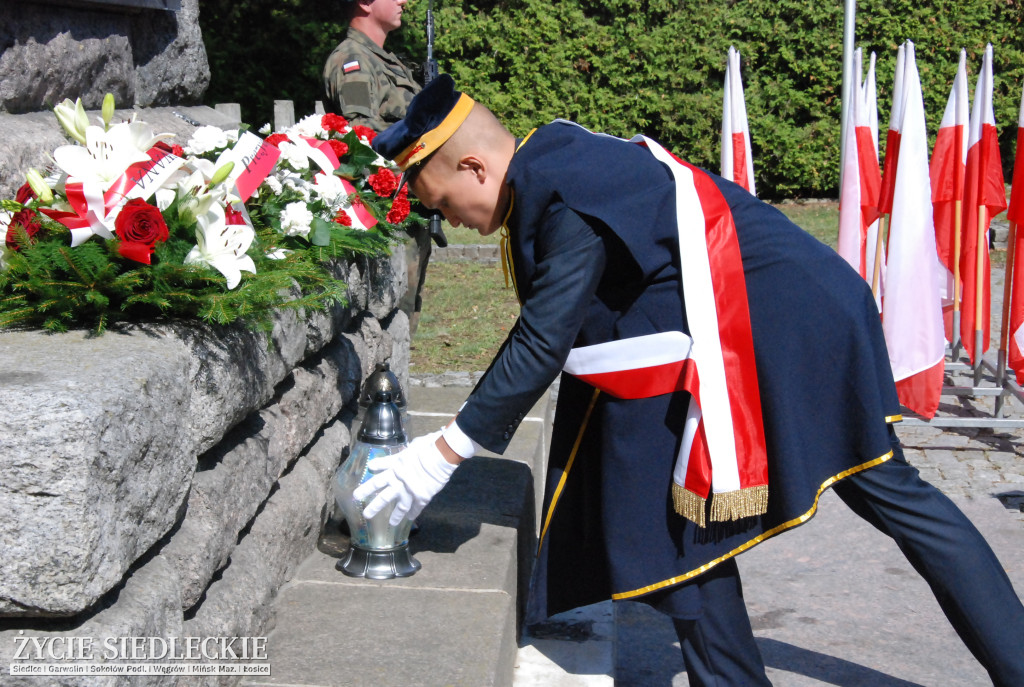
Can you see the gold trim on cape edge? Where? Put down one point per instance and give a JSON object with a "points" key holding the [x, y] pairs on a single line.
{"points": [[756, 540]]}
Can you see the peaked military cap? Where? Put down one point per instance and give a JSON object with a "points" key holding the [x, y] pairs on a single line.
{"points": [[431, 118]]}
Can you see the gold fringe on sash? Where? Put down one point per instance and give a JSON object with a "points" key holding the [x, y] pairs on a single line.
{"points": [[743, 503], [730, 505], [688, 504]]}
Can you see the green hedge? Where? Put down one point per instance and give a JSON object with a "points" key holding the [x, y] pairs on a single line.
{"points": [[656, 67]]}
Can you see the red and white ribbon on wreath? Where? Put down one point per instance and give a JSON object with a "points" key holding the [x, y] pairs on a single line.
{"points": [[254, 160], [95, 210]]}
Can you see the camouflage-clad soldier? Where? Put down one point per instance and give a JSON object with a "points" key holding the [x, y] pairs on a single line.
{"points": [[367, 84], [370, 86]]}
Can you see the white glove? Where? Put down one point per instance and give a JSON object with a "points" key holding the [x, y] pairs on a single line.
{"points": [[408, 479]]}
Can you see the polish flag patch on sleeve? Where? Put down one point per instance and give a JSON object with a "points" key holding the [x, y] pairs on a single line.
{"points": [[350, 67]]}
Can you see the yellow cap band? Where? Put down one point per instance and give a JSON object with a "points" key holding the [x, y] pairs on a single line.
{"points": [[435, 138]]}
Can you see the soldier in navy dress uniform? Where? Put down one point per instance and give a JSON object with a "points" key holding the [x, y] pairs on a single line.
{"points": [[604, 239]]}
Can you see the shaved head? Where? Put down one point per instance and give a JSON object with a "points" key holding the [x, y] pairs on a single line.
{"points": [[465, 177]]}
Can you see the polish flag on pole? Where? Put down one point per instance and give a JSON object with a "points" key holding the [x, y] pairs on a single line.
{"points": [[912, 320], [1015, 257], [875, 233], [984, 197], [892, 138], [858, 199], [737, 159], [948, 166]]}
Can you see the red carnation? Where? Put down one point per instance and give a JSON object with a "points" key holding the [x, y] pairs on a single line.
{"points": [[334, 122], [338, 147], [384, 182], [400, 208], [365, 132], [276, 139], [343, 219], [177, 150], [140, 226]]}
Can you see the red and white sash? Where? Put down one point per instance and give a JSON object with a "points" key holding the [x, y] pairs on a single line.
{"points": [[723, 455]]}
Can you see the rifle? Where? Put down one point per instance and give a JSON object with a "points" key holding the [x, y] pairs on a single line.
{"points": [[430, 72]]}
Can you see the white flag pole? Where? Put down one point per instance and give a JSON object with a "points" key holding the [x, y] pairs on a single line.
{"points": [[849, 88]]}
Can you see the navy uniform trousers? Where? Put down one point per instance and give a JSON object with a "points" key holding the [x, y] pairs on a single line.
{"points": [[939, 542]]}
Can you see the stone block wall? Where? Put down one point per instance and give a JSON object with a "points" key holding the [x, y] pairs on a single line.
{"points": [[146, 57], [165, 481]]}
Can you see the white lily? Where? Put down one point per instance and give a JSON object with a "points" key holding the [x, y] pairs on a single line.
{"points": [[222, 246], [72, 118], [107, 113], [197, 198], [39, 186], [107, 154]]}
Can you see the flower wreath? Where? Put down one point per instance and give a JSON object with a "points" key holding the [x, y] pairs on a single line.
{"points": [[130, 226]]}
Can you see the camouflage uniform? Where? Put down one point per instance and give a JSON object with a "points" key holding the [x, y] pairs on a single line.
{"points": [[370, 86], [367, 84]]}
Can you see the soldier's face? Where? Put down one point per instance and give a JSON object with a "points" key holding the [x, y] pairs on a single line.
{"points": [[387, 13]]}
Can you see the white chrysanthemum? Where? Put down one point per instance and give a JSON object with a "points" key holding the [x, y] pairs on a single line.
{"points": [[265, 129], [293, 155], [274, 184], [310, 126], [298, 184], [206, 138], [296, 219], [330, 188]]}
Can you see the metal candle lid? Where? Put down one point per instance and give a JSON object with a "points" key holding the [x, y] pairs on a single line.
{"points": [[382, 379], [382, 425]]}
